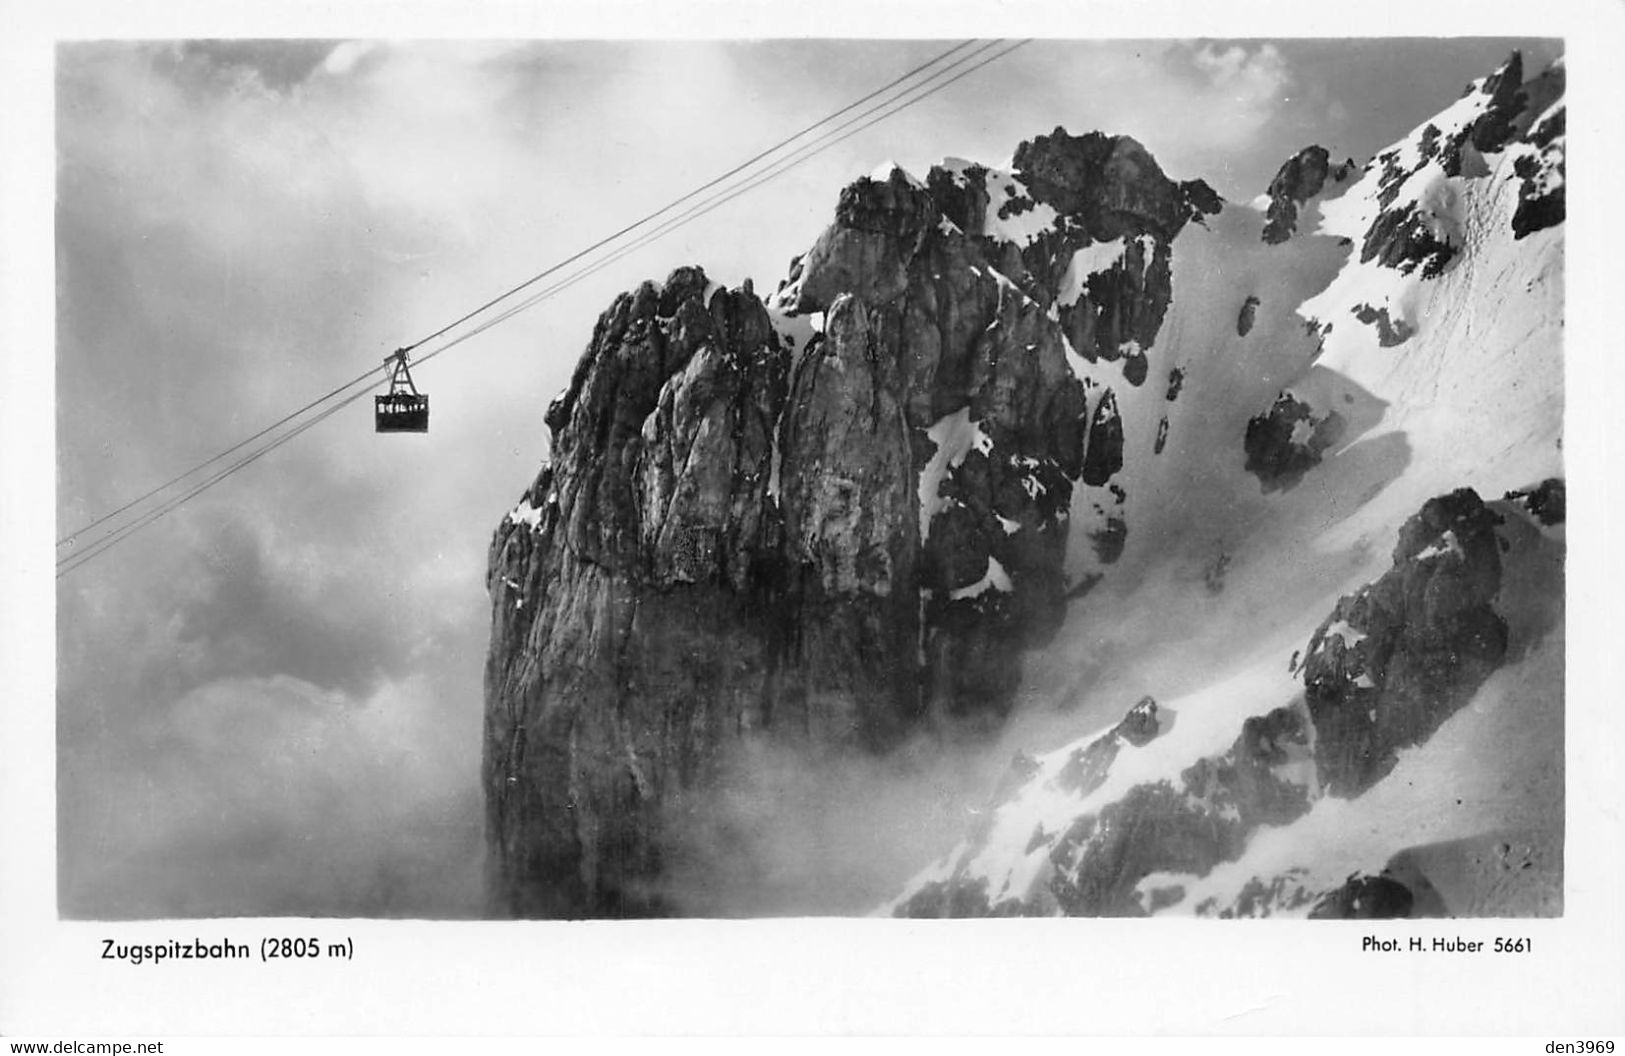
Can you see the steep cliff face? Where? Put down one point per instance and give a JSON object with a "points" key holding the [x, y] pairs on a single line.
{"points": [[627, 587], [832, 520]]}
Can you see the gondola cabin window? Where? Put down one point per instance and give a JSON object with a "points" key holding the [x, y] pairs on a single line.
{"points": [[403, 409], [404, 412]]}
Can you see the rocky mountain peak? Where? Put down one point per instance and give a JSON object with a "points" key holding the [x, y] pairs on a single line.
{"points": [[1109, 185], [865, 488], [1300, 178]]}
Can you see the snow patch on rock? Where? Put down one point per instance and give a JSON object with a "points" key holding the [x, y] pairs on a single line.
{"points": [[995, 578], [1091, 260], [955, 436], [1021, 226]]}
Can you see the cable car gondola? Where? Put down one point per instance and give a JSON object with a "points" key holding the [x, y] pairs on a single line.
{"points": [[403, 409]]}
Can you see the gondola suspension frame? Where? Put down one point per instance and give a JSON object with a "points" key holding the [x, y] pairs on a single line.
{"points": [[403, 409]]}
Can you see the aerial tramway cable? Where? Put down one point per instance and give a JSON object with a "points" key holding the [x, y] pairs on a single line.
{"points": [[238, 446], [699, 210], [776, 168], [663, 210], [524, 285], [107, 542], [715, 202], [722, 198]]}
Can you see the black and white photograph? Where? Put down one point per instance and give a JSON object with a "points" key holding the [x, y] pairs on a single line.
{"points": [[762, 480]]}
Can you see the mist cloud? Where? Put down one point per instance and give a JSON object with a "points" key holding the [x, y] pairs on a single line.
{"points": [[273, 796], [251, 621]]}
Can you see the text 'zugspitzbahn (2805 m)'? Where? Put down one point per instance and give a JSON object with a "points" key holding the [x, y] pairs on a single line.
{"points": [[272, 948]]}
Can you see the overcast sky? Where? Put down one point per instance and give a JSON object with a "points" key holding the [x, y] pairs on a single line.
{"points": [[269, 702]]}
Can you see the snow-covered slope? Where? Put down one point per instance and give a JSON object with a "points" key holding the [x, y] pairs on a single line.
{"points": [[1353, 641]]}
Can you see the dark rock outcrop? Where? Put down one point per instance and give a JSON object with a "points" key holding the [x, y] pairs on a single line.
{"points": [[1140, 724], [1547, 501], [1299, 179], [1176, 381], [1203, 200], [1398, 657], [1365, 898], [1087, 767], [1105, 188], [1491, 131], [1404, 239], [1390, 332], [1104, 455], [1541, 176], [1111, 184], [1288, 440], [1244, 318], [1109, 539]]}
